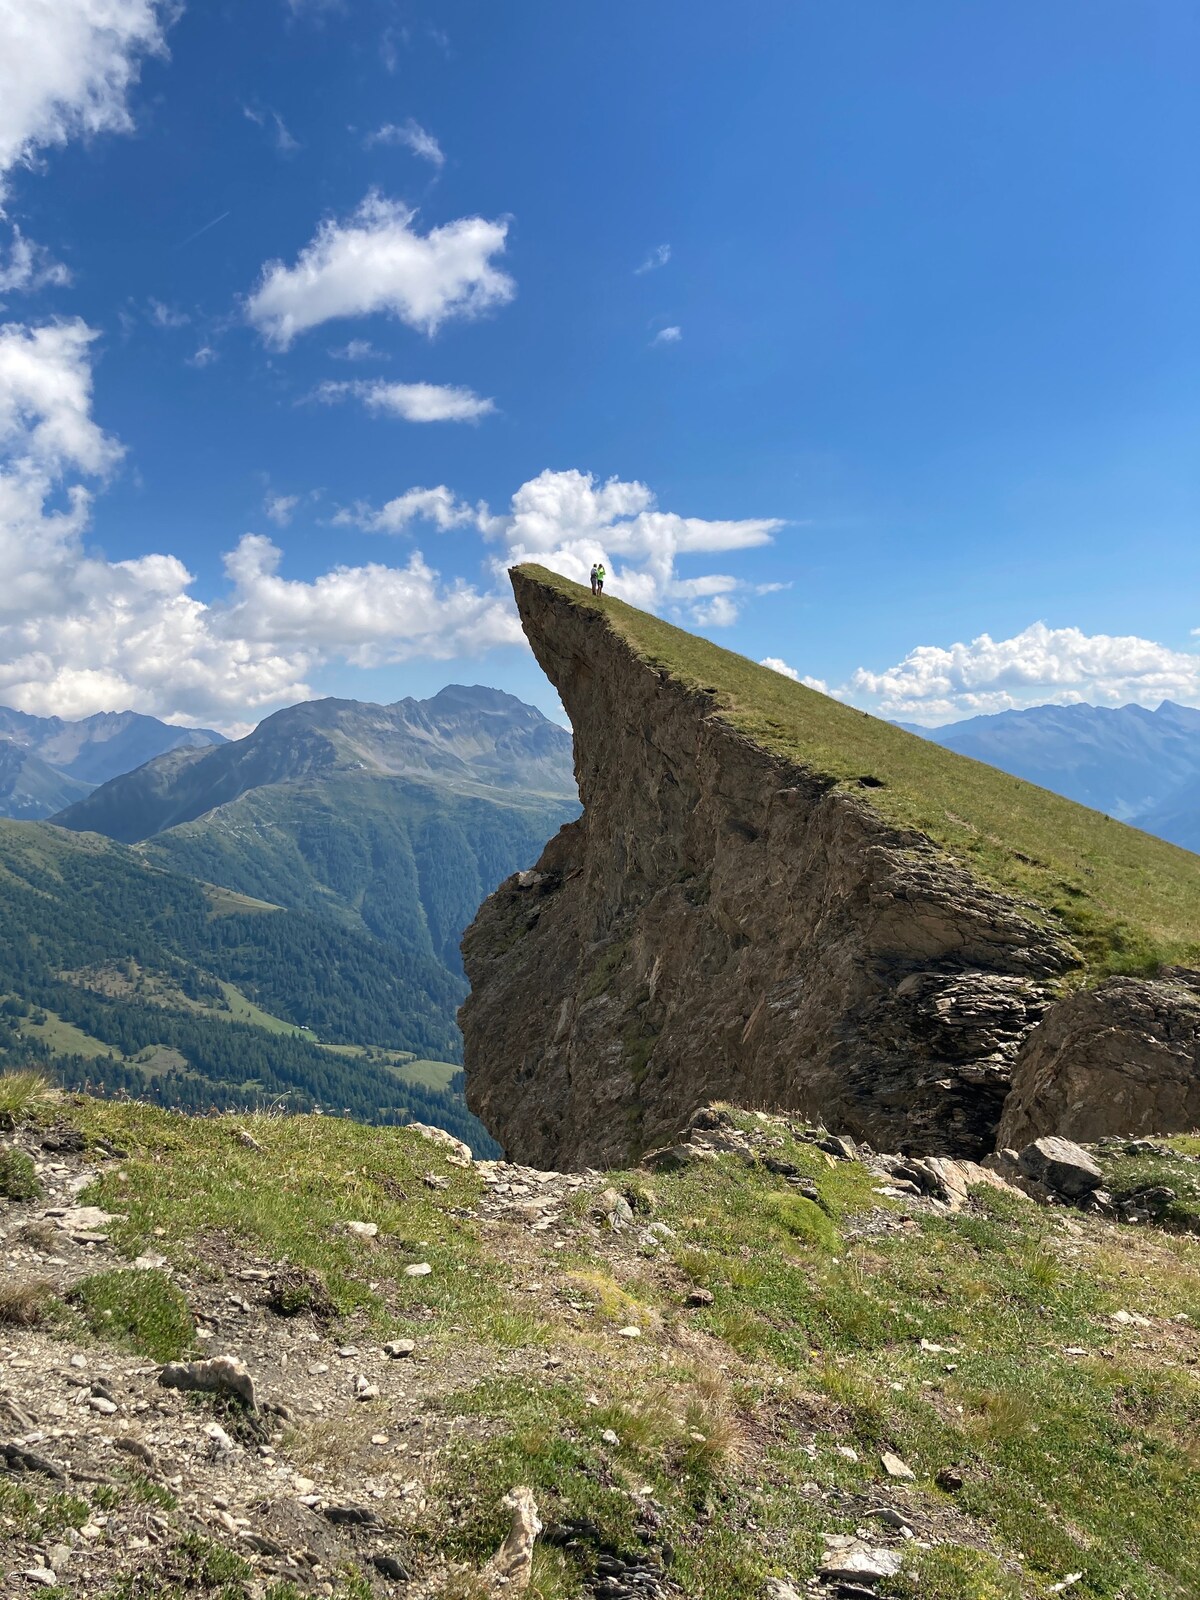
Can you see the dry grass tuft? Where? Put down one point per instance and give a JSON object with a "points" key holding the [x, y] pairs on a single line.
{"points": [[25, 1304], [38, 1235], [21, 1094]]}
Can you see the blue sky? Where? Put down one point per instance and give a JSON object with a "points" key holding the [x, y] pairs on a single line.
{"points": [[861, 337]]}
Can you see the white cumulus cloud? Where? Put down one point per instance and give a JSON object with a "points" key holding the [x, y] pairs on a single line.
{"points": [[438, 506], [568, 520], [776, 664], [667, 336], [377, 262], [66, 68], [368, 615], [80, 633], [936, 683], [411, 134], [414, 402]]}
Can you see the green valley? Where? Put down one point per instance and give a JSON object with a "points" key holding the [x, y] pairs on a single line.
{"points": [[275, 921]]}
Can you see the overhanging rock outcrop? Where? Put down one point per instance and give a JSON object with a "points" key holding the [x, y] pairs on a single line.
{"points": [[723, 924]]}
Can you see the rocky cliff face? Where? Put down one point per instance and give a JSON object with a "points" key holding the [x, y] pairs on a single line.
{"points": [[723, 924]]}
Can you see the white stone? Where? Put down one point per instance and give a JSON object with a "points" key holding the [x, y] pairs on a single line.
{"points": [[862, 1561]]}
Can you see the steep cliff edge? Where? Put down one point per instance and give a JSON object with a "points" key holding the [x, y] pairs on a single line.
{"points": [[750, 908]]}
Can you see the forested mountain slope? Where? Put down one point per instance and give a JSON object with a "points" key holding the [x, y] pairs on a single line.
{"points": [[325, 866], [404, 860], [118, 973]]}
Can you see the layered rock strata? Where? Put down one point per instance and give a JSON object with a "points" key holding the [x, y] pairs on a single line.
{"points": [[724, 924], [1123, 1058]]}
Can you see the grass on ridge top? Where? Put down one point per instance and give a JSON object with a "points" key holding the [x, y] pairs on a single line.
{"points": [[1129, 901]]}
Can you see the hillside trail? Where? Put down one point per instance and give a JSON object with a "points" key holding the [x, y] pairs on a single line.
{"points": [[348, 1455]]}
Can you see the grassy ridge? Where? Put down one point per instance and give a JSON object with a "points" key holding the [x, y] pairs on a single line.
{"points": [[1130, 902]]}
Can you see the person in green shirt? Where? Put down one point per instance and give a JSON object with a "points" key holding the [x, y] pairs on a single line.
{"points": [[598, 578]]}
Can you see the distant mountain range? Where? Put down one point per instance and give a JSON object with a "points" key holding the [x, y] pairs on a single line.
{"points": [[278, 916], [1138, 765], [464, 739], [47, 763]]}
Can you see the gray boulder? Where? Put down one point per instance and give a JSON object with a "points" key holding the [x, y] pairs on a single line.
{"points": [[1062, 1166]]}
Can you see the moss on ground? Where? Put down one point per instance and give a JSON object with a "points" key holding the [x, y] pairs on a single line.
{"points": [[1129, 902]]}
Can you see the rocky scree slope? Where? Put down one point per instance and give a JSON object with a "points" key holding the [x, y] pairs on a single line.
{"points": [[774, 898], [262, 1358]]}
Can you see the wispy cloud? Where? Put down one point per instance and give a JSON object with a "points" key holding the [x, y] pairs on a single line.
{"points": [[411, 134], [667, 336], [279, 508], [658, 257], [204, 357], [285, 143], [439, 507], [358, 350], [414, 402], [30, 267], [164, 316]]}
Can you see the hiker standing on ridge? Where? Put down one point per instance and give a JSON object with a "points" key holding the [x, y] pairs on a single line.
{"points": [[598, 578]]}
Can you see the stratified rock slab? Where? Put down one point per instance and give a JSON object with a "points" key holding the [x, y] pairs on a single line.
{"points": [[1122, 1058]]}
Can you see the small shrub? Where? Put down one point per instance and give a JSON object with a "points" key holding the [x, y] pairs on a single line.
{"points": [[141, 1309], [25, 1304], [607, 1295], [641, 1197], [999, 1415], [552, 1577], [298, 1291], [18, 1176]]}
